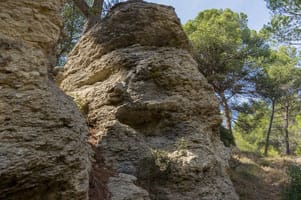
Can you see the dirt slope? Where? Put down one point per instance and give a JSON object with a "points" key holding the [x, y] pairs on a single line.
{"points": [[259, 178]]}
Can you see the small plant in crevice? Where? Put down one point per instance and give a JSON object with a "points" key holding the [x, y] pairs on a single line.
{"points": [[226, 137], [156, 167], [82, 104], [181, 144], [293, 190]]}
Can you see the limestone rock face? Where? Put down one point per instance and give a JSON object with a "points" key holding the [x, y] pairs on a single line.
{"points": [[122, 187], [43, 148], [152, 112]]}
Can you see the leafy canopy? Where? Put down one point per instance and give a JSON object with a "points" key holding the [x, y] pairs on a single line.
{"points": [[280, 76], [224, 44], [286, 21]]}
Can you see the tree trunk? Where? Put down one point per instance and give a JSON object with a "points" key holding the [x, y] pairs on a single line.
{"points": [[83, 7], [92, 14], [227, 111], [267, 140], [286, 121], [97, 7]]}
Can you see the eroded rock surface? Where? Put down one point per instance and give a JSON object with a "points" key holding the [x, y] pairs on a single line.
{"points": [[43, 148], [152, 112]]}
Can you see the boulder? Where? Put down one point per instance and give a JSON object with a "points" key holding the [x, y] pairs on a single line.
{"points": [[154, 116], [44, 152]]}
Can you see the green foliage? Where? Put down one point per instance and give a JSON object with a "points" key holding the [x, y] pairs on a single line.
{"points": [[295, 133], [226, 137], [280, 75], [157, 167], [251, 116], [283, 69], [242, 144], [223, 43], [251, 126], [277, 83], [252, 123], [285, 24], [293, 190], [73, 26], [226, 52], [181, 144]]}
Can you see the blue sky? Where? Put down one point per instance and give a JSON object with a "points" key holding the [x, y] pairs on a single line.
{"points": [[256, 10]]}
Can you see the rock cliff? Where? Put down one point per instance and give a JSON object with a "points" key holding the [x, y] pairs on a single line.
{"points": [[152, 114], [43, 148]]}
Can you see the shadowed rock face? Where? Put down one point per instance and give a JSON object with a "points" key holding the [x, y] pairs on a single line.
{"points": [[43, 149], [156, 117]]}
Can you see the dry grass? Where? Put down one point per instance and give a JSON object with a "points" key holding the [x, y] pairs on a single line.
{"points": [[259, 178]]}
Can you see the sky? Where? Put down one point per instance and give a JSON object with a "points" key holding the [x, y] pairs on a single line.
{"points": [[256, 10]]}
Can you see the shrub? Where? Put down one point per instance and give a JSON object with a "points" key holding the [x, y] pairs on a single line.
{"points": [[293, 190], [226, 137], [181, 144], [156, 167]]}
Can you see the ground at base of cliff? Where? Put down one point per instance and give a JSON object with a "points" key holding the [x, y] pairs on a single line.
{"points": [[259, 178]]}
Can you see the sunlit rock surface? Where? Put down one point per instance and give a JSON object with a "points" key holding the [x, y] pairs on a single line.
{"points": [[153, 114]]}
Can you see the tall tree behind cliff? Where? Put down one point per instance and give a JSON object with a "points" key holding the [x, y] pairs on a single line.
{"points": [[278, 85], [226, 48], [281, 82], [75, 13]]}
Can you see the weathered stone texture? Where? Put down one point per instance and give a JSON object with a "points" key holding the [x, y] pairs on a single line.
{"points": [[43, 148], [155, 115], [122, 187]]}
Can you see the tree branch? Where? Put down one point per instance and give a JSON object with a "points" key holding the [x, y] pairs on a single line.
{"points": [[83, 7], [97, 7]]}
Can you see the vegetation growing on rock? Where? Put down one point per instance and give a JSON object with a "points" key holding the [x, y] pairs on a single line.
{"points": [[152, 101]]}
